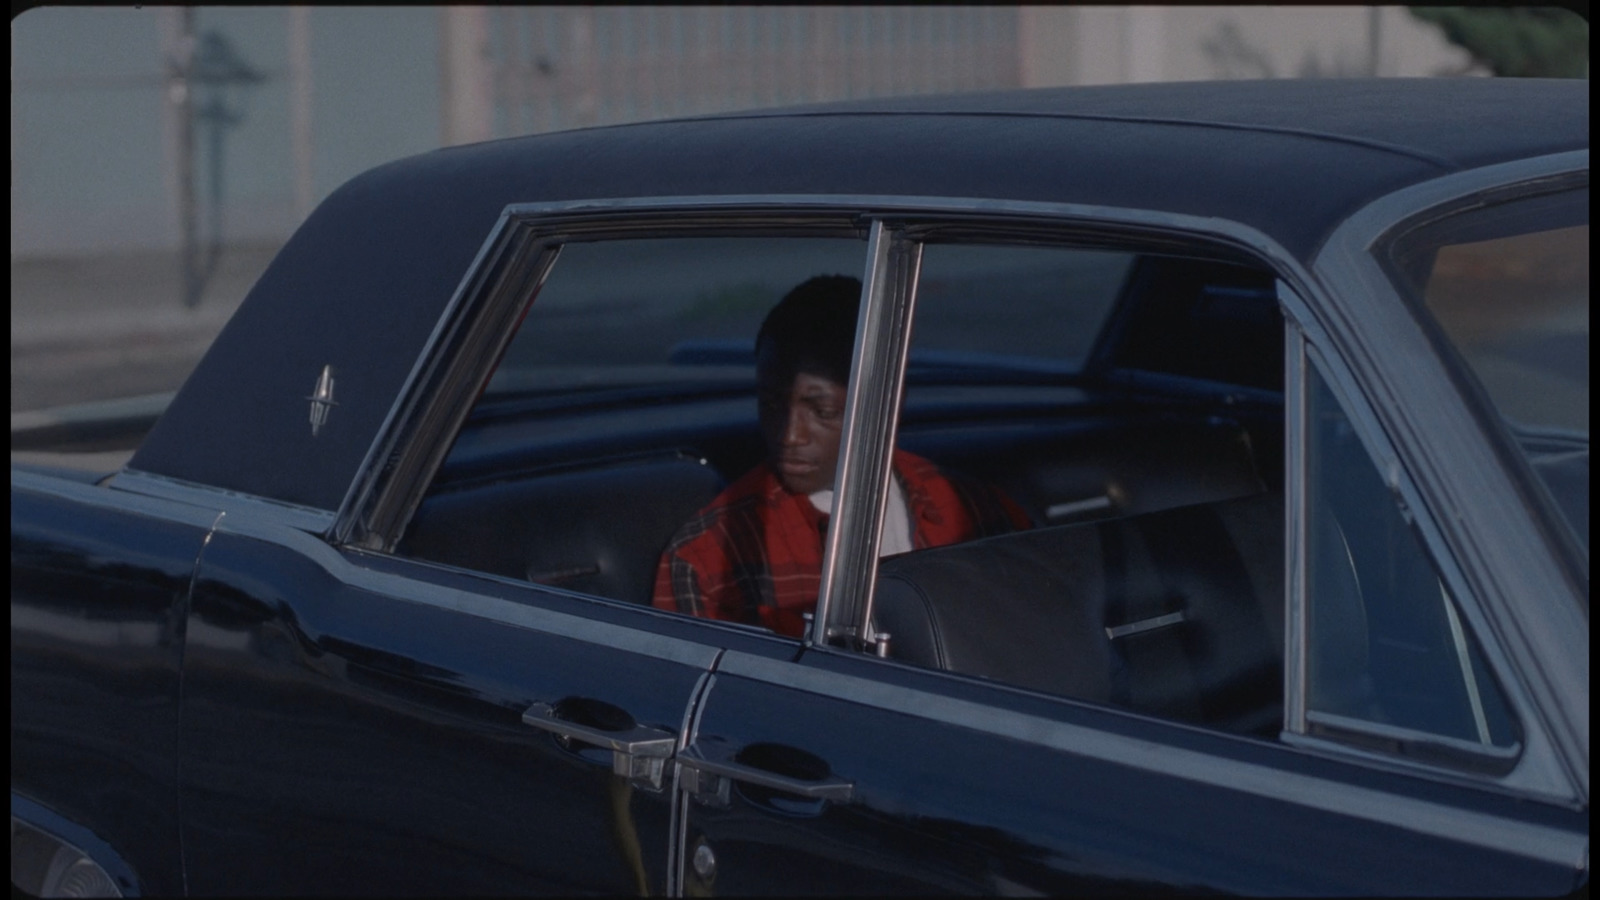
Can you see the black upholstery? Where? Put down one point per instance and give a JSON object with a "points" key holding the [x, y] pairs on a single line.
{"points": [[599, 530], [1101, 471], [1034, 608]]}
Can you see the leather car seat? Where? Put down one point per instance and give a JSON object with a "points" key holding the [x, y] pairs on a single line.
{"points": [[597, 530], [1177, 613]]}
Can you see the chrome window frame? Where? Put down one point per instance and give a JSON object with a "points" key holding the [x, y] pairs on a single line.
{"points": [[1532, 487], [465, 346], [1536, 775], [872, 406]]}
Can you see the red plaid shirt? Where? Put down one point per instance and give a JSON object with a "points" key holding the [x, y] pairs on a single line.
{"points": [[754, 554]]}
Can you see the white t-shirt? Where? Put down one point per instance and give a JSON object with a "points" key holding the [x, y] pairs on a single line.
{"points": [[896, 521]]}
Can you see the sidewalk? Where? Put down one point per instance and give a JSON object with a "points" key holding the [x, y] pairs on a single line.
{"points": [[96, 328]]}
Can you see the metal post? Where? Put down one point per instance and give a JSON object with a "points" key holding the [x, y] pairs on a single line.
{"points": [[1374, 33], [181, 95], [300, 96]]}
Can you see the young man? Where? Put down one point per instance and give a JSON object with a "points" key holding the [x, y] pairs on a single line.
{"points": [[754, 554]]}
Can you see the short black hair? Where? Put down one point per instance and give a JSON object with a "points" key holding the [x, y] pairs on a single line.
{"points": [[814, 327]]}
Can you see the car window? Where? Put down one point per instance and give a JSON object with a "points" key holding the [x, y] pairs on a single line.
{"points": [[669, 312], [1152, 576], [1130, 405], [1011, 307], [623, 404], [1386, 643], [1508, 286]]}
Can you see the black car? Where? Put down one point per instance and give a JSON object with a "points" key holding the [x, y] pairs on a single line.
{"points": [[1291, 378]]}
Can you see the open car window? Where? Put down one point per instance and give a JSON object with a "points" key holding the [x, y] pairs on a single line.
{"points": [[667, 312], [624, 403]]}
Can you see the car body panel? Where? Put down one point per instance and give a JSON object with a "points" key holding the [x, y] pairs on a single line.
{"points": [[99, 593], [345, 712], [986, 789]]}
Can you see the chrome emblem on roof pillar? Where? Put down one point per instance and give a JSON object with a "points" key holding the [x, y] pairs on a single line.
{"points": [[322, 401]]}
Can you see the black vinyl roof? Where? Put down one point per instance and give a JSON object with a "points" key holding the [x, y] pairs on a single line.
{"points": [[361, 285]]}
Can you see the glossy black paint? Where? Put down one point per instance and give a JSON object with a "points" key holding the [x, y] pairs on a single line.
{"points": [[383, 731], [98, 597], [338, 739], [942, 807]]}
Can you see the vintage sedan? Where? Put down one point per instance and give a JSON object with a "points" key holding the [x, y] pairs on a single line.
{"points": [[1290, 376]]}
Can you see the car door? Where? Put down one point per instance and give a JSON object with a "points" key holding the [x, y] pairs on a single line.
{"points": [[363, 724], [846, 772], [458, 686]]}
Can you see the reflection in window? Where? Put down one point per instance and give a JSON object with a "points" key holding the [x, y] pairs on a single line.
{"points": [[1386, 644]]}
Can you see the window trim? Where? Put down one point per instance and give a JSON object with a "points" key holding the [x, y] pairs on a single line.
{"points": [[1537, 769], [871, 410]]}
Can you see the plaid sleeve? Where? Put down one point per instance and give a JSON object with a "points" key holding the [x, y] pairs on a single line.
{"points": [[676, 589], [699, 574]]}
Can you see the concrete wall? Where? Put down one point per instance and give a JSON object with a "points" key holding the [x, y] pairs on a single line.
{"points": [[1114, 44]]}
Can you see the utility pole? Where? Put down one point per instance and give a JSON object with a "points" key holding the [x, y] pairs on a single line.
{"points": [[1374, 32], [208, 62], [180, 95]]}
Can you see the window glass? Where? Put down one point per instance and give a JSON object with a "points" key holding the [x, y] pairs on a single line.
{"points": [[1146, 569], [1386, 643], [1508, 286], [1012, 306]]}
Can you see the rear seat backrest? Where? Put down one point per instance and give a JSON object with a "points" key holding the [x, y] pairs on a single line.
{"points": [[1176, 613], [598, 530], [1101, 472]]}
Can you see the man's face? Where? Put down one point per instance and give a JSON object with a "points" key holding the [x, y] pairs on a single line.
{"points": [[802, 414]]}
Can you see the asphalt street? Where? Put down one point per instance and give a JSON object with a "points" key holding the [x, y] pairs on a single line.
{"points": [[109, 326]]}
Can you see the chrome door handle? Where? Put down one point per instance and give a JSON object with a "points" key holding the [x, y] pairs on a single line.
{"points": [[638, 753], [636, 741], [695, 760]]}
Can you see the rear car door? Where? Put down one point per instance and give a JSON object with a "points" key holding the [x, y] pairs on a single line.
{"points": [[852, 771]]}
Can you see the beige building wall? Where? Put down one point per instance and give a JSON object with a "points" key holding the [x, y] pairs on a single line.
{"points": [[1109, 44]]}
